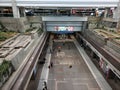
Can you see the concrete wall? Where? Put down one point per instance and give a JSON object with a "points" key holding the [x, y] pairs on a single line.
{"points": [[21, 24], [109, 24], [35, 21], [104, 23], [18, 55], [15, 24], [24, 23], [93, 22], [21, 55]]}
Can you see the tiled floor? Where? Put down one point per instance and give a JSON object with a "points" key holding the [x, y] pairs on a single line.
{"points": [[61, 77]]}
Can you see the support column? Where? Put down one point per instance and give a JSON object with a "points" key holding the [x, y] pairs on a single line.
{"points": [[15, 9], [118, 17], [118, 10], [105, 13], [57, 12], [22, 12], [84, 25], [115, 11], [44, 27], [1, 11], [71, 11]]}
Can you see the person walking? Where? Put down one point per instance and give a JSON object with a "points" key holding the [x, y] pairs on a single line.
{"points": [[45, 84], [43, 89], [50, 50], [51, 64], [70, 66]]}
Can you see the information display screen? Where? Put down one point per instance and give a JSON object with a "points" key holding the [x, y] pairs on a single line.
{"points": [[65, 28]]}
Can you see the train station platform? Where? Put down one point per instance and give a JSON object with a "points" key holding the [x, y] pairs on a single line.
{"points": [[83, 75]]}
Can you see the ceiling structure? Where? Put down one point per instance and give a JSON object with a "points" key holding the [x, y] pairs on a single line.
{"points": [[60, 3]]}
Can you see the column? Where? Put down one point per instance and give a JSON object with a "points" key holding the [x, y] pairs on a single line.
{"points": [[57, 11], [71, 11], [22, 12], [118, 10], [115, 11], [84, 25], [15, 9], [105, 13], [44, 27], [1, 11], [118, 17]]}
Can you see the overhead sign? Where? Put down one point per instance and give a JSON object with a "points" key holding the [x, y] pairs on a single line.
{"points": [[66, 28]]}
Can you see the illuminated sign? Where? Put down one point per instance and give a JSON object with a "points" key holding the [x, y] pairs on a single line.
{"points": [[67, 28]]}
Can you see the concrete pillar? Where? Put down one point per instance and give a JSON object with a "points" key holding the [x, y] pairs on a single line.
{"points": [[1, 11], [118, 17], [118, 10], [105, 13], [22, 12], [16, 12], [57, 11], [71, 11], [44, 27], [115, 11], [84, 25]]}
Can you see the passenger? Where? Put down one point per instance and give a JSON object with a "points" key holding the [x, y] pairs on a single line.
{"points": [[53, 49], [45, 85], [46, 88], [70, 66], [43, 89], [50, 50], [63, 43], [51, 64], [44, 59], [53, 41], [59, 49]]}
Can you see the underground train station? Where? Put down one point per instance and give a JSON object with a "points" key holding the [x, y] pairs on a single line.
{"points": [[59, 45]]}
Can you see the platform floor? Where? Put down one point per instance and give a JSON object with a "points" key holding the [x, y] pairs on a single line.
{"points": [[62, 77]]}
